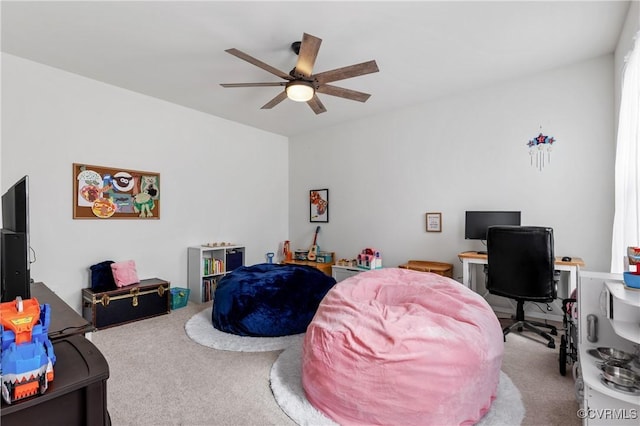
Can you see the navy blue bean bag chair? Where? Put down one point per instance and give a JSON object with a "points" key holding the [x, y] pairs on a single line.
{"points": [[268, 299]]}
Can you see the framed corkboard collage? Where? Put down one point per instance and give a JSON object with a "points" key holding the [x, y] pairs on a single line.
{"points": [[101, 192]]}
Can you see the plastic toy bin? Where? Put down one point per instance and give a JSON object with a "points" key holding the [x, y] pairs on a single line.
{"points": [[179, 297]]}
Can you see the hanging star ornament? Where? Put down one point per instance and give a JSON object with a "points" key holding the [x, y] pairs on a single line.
{"points": [[537, 147]]}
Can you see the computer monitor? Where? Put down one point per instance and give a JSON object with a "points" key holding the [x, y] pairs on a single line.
{"points": [[477, 222]]}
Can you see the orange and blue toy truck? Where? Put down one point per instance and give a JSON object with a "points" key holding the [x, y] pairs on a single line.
{"points": [[27, 353]]}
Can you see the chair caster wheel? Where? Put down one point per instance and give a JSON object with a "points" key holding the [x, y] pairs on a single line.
{"points": [[554, 332], [551, 345]]}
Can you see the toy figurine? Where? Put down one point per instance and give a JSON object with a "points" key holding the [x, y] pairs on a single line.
{"points": [[286, 251], [369, 258], [27, 352]]}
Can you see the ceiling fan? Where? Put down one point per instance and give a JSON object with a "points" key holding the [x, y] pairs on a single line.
{"points": [[303, 86]]}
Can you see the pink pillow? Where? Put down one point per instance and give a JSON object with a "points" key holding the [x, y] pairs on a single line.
{"points": [[124, 273]]}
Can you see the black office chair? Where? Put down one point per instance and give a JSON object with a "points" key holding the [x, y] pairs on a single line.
{"points": [[521, 267]]}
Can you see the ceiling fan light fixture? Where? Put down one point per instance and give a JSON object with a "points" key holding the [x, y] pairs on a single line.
{"points": [[300, 90], [301, 84]]}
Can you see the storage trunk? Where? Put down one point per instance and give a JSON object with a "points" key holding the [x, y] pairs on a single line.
{"points": [[146, 299]]}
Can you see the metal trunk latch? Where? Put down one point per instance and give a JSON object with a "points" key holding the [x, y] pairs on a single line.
{"points": [[135, 292], [105, 300]]}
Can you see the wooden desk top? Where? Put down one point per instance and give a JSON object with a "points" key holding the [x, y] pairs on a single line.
{"points": [[575, 261], [65, 321], [471, 255], [323, 266]]}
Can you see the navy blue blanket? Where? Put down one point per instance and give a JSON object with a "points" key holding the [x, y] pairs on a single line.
{"points": [[269, 299]]}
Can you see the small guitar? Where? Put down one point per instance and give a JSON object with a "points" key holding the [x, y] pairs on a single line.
{"points": [[313, 251]]}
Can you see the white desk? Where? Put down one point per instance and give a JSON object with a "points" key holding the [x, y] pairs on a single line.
{"points": [[340, 273], [471, 257]]}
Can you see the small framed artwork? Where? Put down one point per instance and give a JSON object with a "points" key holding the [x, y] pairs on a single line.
{"points": [[434, 222], [319, 205]]}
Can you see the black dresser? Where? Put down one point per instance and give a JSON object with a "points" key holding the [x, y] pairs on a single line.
{"points": [[78, 393]]}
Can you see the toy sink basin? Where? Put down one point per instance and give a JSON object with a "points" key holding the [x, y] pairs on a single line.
{"points": [[612, 354], [631, 280]]}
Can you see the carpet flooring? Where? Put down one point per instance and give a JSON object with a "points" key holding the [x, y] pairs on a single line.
{"points": [[160, 376], [285, 376]]}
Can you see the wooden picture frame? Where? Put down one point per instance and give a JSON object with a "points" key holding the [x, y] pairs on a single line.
{"points": [[319, 205], [101, 192], [434, 222]]}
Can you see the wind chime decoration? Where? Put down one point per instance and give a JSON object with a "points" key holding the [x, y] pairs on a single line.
{"points": [[537, 148]]}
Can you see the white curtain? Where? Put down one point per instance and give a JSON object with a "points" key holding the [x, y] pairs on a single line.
{"points": [[626, 220]]}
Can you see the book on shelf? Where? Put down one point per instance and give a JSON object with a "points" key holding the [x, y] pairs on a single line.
{"points": [[212, 266], [208, 288]]}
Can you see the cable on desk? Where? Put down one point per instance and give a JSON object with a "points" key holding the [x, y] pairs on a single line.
{"points": [[64, 330]]}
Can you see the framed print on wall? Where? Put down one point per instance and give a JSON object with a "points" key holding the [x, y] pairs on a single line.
{"points": [[319, 205], [434, 222]]}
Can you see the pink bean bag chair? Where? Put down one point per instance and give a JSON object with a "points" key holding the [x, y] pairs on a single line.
{"points": [[401, 347]]}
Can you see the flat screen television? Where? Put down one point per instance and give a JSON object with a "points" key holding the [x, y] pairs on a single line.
{"points": [[477, 222], [14, 246], [15, 207]]}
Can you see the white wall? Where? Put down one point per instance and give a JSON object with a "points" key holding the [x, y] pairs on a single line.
{"points": [[224, 181], [220, 181], [466, 152]]}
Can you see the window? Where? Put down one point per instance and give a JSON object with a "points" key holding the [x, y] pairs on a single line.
{"points": [[626, 220]]}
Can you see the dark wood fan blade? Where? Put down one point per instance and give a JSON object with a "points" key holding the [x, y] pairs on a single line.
{"points": [[343, 93], [316, 105], [347, 72], [275, 101], [307, 55], [283, 83], [259, 63]]}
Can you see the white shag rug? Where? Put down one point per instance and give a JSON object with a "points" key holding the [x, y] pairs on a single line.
{"points": [[200, 329], [286, 385]]}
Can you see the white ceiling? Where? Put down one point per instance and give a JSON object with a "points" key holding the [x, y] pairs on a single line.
{"points": [[174, 50]]}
